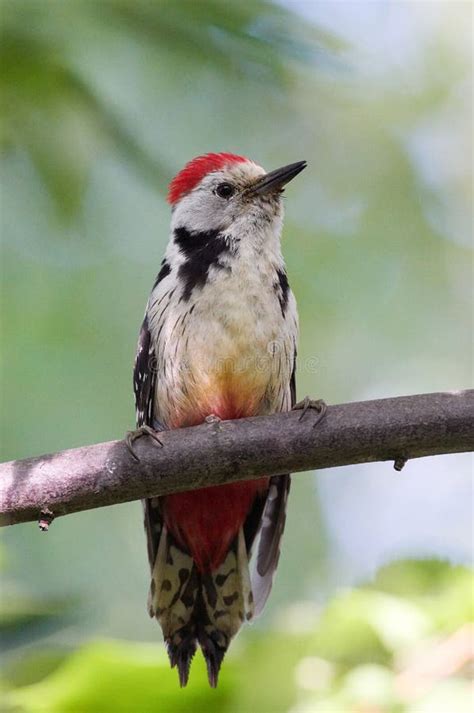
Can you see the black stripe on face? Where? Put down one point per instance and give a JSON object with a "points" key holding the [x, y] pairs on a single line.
{"points": [[282, 288], [164, 272], [202, 250]]}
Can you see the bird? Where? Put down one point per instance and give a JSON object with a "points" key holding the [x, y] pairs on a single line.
{"points": [[218, 341]]}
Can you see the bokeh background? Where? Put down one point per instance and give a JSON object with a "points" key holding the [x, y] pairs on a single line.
{"points": [[102, 102]]}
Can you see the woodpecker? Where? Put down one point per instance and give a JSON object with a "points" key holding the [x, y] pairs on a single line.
{"points": [[218, 339]]}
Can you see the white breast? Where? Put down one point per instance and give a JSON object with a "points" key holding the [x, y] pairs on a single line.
{"points": [[229, 350]]}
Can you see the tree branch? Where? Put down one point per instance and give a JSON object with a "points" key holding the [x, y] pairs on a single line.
{"points": [[223, 452]]}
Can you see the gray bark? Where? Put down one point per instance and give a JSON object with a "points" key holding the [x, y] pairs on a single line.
{"points": [[94, 476]]}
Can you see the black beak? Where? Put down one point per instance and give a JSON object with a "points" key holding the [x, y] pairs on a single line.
{"points": [[275, 180]]}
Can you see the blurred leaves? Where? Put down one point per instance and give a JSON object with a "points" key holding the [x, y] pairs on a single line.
{"points": [[48, 112], [25, 617], [117, 676], [21, 617], [359, 656], [248, 38], [51, 108]]}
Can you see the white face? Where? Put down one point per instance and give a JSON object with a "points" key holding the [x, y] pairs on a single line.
{"points": [[221, 202]]}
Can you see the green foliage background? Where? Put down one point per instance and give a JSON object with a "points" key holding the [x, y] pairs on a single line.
{"points": [[102, 102]]}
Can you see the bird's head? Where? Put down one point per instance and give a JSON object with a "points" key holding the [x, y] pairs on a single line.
{"points": [[225, 192]]}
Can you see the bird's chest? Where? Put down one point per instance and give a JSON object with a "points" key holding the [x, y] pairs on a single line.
{"points": [[238, 320], [234, 345], [236, 317]]}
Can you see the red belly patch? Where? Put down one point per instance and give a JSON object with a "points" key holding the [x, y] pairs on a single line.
{"points": [[206, 521]]}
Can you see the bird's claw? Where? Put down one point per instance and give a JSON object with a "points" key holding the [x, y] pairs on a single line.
{"points": [[317, 404], [139, 433]]}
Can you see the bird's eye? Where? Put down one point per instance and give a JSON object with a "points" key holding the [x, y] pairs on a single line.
{"points": [[225, 190]]}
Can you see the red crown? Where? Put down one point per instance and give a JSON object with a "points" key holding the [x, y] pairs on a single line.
{"points": [[195, 170]]}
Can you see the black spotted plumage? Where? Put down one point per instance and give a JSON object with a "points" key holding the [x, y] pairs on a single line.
{"points": [[202, 250], [144, 379], [164, 272], [144, 376], [282, 289]]}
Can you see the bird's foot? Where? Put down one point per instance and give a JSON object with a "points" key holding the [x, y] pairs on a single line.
{"points": [[212, 418], [306, 404], [139, 433]]}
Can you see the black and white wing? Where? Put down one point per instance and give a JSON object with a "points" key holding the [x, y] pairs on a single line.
{"points": [[144, 379], [144, 376]]}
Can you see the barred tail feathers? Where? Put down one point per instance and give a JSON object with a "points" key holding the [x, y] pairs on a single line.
{"points": [[174, 592], [199, 608], [227, 602]]}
